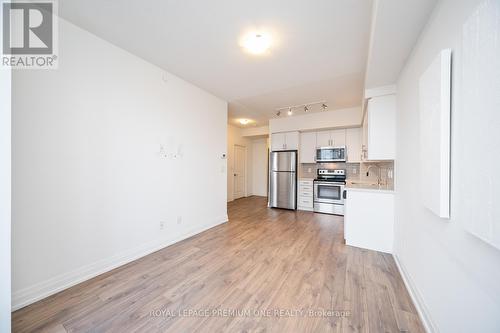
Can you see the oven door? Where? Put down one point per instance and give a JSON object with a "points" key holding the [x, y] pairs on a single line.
{"points": [[328, 192], [330, 154]]}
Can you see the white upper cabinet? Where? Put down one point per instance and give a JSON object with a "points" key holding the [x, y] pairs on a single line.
{"points": [[332, 138], [380, 122], [292, 140], [308, 147], [338, 137], [323, 139], [277, 141], [353, 144], [285, 141]]}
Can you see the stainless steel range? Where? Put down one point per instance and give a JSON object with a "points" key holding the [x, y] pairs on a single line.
{"points": [[329, 191]]}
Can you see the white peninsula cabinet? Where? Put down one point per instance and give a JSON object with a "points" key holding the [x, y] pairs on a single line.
{"points": [[379, 129], [369, 219], [285, 141]]}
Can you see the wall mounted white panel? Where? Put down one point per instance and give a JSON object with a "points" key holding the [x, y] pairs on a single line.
{"points": [[434, 89]]}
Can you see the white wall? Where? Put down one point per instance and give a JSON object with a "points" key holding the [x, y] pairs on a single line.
{"points": [[235, 137], [90, 186], [259, 166], [255, 131], [454, 275], [5, 196], [336, 118]]}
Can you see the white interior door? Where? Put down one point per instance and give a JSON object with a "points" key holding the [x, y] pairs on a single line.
{"points": [[239, 172]]}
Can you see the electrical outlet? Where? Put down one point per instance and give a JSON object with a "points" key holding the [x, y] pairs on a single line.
{"points": [[162, 225], [179, 219]]}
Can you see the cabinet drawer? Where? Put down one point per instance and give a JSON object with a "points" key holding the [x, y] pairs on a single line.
{"points": [[305, 183], [305, 188], [306, 194], [305, 202]]}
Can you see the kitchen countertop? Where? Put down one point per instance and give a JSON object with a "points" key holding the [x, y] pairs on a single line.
{"points": [[369, 187]]}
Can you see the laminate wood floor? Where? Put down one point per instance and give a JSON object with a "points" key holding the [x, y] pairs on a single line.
{"points": [[267, 270]]}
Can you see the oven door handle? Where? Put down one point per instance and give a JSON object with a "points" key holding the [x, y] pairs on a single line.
{"points": [[327, 184]]}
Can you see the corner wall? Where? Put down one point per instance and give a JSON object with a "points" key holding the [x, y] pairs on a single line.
{"points": [[453, 275], [106, 153]]}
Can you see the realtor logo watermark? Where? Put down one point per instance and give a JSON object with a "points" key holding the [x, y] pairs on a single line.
{"points": [[29, 34]]}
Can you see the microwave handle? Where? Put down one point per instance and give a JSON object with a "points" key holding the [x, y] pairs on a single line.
{"points": [[344, 194]]}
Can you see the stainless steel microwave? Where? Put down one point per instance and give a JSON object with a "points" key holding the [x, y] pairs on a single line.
{"points": [[330, 154]]}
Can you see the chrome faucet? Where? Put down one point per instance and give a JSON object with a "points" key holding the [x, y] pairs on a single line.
{"points": [[379, 176]]}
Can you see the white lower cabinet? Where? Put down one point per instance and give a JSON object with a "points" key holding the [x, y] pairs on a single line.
{"points": [[369, 219], [305, 197]]}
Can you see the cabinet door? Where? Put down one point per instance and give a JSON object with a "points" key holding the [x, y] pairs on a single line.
{"points": [[364, 137], [353, 144], [338, 137], [292, 140], [307, 147], [277, 141], [323, 139], [382, 128]]}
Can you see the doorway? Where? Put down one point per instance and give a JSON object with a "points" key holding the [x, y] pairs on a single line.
{"points": [[239, 172]]}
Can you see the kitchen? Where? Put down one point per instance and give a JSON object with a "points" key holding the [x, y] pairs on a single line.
{"points": [[343, 170]]}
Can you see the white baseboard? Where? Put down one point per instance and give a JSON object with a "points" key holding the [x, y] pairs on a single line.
{"points": [[58, 283], [416, 297]]}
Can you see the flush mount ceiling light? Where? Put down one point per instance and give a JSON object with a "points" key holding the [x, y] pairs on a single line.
{"points": [[257, 42], [244, 121]]}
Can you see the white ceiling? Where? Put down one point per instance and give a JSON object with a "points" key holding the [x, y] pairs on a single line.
{"points": [[319, 51], [320, 48]]}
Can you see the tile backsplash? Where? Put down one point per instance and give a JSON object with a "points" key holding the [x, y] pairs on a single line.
{"points": [[366, 171]]}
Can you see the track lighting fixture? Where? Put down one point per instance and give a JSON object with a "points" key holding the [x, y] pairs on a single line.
{"points": [[306, 107]]}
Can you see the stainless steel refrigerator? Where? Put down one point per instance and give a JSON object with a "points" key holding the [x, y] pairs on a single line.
{"points": [[283, 179]]}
